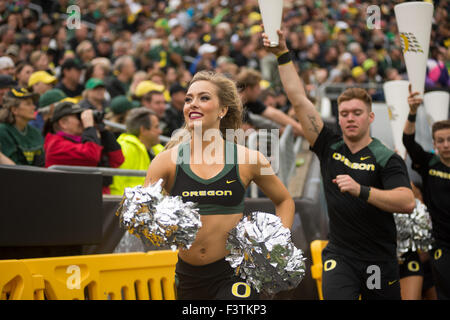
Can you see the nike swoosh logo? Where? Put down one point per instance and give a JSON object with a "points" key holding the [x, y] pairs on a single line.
{"points": [[364, 158], [231, 181], [392, 282]]}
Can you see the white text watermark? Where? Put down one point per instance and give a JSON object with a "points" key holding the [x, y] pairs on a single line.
{"points": [[74, 17]]}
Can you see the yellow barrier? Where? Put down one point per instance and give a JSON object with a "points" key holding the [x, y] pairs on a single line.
{"points": [[316, 268], [127, 276], [17, 283]]}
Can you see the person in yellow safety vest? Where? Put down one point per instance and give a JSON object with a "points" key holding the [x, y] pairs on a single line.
{"points": [[140, 144]]}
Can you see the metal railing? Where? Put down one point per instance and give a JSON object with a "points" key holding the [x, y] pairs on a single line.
{"points": [[333, 90], [123, 128], [288, 148], [261, 122], [102, 170]]}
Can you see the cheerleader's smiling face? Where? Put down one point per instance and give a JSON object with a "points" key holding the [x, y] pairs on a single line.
{"points": [[202, 104]]}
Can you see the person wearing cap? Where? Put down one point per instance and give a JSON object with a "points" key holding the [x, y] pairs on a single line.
{"points": [[159, 77], [145, 87], [119, 108], [19, 141], [370, 66], [41, 81], [371, 69], [177, 41], [70, 79], [6, 83], [206, 55], [75, 139], [138, 77], [140, 144], [94, 95], [151, 96], [174, 117], [358, 74], [46, 106], [7, 66]]}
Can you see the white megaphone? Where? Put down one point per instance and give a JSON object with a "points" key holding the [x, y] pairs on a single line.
{"points": [[396, 95], [271, 14], [414, 21], [436, 106]]}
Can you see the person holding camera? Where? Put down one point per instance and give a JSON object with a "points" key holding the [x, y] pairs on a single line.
{"points": [[94, 95], [78, 138]]}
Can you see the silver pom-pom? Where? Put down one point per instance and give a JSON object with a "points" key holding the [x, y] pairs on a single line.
{"points": [[262, 253], [414, 230], [158, 219]]}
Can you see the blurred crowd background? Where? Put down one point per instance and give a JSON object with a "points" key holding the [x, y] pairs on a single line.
{"points": [[142, 53], [170, 40]]}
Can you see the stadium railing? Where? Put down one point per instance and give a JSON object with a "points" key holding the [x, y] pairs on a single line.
{"points": [[123, 128]]}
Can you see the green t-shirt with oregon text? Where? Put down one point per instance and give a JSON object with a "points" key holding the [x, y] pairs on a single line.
{"points": [[24, 148]]}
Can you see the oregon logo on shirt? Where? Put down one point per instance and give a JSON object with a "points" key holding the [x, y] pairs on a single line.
{"points": [[353, 165], [204, 193], [29, 155], [439, 174]]}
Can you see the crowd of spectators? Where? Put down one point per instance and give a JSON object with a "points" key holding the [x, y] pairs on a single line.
{"points": [[130, 53]]}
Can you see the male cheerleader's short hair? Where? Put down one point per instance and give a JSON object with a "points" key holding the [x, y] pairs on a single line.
{"points": [[440, 125], [356, 93]]}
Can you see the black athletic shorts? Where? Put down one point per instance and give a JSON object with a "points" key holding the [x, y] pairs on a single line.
{"points": [[347, 278], [440, 261], [428, 281], [212, 281], [411, 265]]}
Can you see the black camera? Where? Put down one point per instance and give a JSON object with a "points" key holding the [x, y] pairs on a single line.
{"points": [[98, 116]]}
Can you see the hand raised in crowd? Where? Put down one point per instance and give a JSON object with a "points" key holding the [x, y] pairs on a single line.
{"points": [[414, 100], [87, 118]]}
